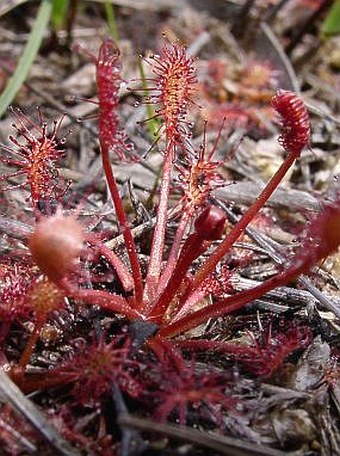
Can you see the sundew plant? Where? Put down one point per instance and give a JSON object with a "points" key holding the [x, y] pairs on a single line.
{"points": [[175, 291]]}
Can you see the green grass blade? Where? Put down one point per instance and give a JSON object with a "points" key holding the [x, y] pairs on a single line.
{"points": [[111, 20], [59, 13], [28, 56], [331, 25]]}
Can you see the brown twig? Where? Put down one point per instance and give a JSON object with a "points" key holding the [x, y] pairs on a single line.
{"points": [[223, 444]]}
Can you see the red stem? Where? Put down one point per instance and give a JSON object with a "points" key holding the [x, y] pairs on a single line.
{"points": [[101, 298], [120, 268], [231, 303], [191, 249], [124, 226], [209, 266], [157, 247], [176, 245]]}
